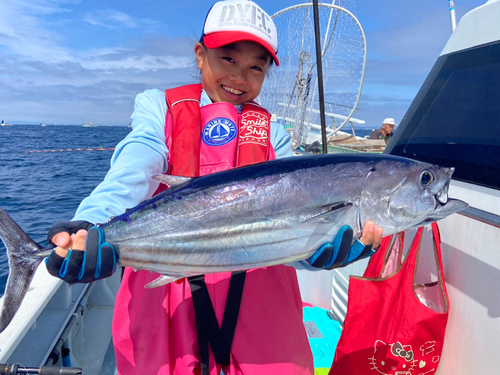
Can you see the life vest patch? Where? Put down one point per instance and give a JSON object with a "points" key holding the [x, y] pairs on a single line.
{"points": [[219, 131], [254, 128]]}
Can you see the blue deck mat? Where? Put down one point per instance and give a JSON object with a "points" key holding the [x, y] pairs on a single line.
{"points": [[323, 333]]}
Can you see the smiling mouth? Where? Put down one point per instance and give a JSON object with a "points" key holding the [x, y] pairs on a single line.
{"points": [[232, 91]]}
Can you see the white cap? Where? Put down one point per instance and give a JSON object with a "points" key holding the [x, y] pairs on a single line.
{"points": [[389, 121], [233, 21]]}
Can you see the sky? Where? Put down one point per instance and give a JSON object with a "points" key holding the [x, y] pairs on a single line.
{"points": [[75, 61]]}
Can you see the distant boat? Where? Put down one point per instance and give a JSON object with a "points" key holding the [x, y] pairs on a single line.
{"points": [[5, 124], [89, 125], [42, 124]]}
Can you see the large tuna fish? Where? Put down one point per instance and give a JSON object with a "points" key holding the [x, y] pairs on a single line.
{"points": [[260, 215]]}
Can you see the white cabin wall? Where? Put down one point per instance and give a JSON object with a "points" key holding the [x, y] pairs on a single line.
{"points": [[471, 259], [316, 287]]}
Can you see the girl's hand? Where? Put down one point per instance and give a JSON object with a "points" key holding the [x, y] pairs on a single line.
{"points": [[65, 241], [372, 235]]}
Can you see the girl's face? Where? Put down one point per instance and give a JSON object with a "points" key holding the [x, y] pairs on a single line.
{"points": [[233, 73]]}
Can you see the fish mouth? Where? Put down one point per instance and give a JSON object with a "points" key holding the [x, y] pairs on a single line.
{"points": [[443, 210], [445, 205], [442, 196]]}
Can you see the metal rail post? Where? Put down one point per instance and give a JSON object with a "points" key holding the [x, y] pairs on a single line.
{"points": [[319, 67]]}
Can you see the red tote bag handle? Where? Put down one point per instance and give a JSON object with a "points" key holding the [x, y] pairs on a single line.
{"points": [[388, 258]]}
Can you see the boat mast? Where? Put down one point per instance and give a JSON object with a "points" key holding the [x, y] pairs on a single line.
{"points": [[319, 68], [452, 15]]}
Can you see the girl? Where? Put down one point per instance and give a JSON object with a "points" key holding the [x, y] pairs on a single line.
{"points": [[191, 131]]}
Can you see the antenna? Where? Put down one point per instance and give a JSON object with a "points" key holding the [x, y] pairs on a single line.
{"points": [[452, 15]]}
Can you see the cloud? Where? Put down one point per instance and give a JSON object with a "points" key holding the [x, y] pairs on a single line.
{"points": [[55, 77], [22, 31], [69, 62], [141, 58], [66, 69], [108, 102], [114, 19]]}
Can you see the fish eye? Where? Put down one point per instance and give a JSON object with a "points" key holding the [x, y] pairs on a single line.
{"points": [[426, 178]]}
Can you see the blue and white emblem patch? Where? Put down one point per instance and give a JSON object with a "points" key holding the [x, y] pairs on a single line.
{"points": [[219, 131]]}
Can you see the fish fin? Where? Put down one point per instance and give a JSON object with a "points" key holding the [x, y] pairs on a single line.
{"points": [[324, 218], [171, 181], [162, 280], [23, 262], [327, 213]]}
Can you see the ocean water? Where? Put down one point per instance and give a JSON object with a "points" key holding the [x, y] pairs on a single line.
{"points": [[40, 189]]}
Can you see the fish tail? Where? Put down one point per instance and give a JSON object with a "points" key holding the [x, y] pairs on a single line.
{"points": [[24, 258]]}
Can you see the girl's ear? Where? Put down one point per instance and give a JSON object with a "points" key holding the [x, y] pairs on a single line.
{"points": [[199, 50]]}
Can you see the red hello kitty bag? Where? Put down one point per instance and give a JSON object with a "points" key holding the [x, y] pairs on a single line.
{"points": [[392, 326]]}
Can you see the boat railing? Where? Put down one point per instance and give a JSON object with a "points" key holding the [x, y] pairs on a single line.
{"points": [[482, 216], [339, 296]]}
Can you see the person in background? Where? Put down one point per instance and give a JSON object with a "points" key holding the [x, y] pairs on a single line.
{"points": [[386, 132], [174, 328]]}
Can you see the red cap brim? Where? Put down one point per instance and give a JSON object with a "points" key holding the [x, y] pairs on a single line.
{"points": [[216, 40]]}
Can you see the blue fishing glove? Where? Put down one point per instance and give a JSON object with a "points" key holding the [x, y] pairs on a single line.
{"points": [[97, 262], [339, 253]]}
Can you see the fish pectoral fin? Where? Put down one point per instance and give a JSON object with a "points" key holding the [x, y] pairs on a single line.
{"points": [[171, 181], [327, 213], [162, 280]]}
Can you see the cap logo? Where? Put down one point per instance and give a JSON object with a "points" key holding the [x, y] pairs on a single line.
{"points": [[248, 16], [219, 131]]}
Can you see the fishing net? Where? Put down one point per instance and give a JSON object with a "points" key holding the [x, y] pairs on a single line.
{"points": [[290, 92]]}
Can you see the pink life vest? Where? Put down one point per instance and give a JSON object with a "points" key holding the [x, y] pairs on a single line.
{"points": [[228, 139], [154, 330]]}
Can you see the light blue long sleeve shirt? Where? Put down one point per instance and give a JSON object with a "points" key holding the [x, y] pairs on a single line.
{"points": [[142, 154]]}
